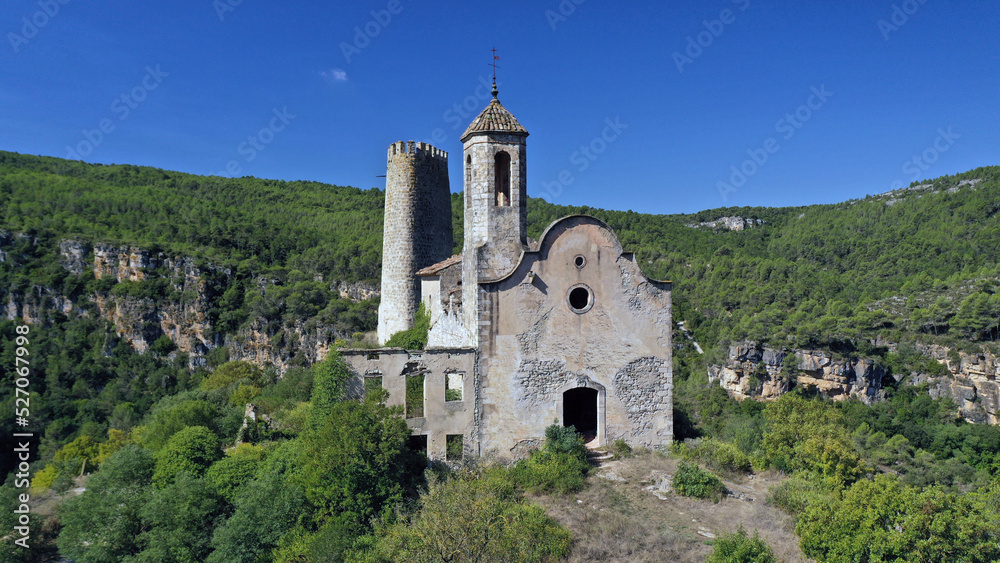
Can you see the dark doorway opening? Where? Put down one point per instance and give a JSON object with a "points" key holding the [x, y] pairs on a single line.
{"points": [[580, 411]]}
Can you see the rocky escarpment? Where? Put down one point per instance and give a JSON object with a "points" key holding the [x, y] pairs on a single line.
{"points": [[973, 381], [140, 320], [752, 370], [759, 372], [146, 295], [729, 223]]}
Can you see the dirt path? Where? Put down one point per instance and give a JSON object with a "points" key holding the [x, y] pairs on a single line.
{"points": [[617, 517]]}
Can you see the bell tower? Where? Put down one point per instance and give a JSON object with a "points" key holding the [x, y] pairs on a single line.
{"points": [[493, 160]]}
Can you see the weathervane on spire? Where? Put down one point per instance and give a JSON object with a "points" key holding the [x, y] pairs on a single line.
{"points": [[494, 65]]}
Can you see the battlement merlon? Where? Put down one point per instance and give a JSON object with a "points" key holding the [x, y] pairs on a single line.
{"points": [[416, 148]]}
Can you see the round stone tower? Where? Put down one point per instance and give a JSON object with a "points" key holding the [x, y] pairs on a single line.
{"points": [[416, 232]]}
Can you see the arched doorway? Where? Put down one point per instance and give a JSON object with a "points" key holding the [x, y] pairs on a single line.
{"points": [[580, 411]]}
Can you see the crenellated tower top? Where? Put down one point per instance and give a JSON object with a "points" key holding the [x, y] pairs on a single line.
{"points": [[417, 149]]}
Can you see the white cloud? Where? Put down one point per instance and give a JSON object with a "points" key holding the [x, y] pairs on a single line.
{"points": [[333, 75]]}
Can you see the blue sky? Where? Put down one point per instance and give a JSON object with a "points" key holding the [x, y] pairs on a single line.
{"points": [[660, 107]]}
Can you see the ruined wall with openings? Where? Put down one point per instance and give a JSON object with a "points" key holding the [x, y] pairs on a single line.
{"points": [[450, 387]]}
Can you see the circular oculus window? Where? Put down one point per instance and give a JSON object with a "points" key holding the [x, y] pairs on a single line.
{"points": [[580, 298], [580, 261]]}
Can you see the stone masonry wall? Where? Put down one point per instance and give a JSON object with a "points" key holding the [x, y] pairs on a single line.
{"points": [[442, 417], [417, 230], [494, 235]]}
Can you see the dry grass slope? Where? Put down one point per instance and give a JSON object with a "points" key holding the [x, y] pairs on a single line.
{"points": [[620, 520]]}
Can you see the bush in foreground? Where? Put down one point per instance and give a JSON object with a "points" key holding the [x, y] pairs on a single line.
{"points": [[693, 481], [739, 547], [719, 455], [560, 466], [473, 516]]}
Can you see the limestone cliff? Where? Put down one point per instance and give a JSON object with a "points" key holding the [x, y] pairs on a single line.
{"points": [[755, 371], [182, 312], [729, 223], [973, 381], [140, 321], [752, 370]]}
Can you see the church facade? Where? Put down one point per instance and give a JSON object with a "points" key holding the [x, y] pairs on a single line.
{"points": [[523, 334]]}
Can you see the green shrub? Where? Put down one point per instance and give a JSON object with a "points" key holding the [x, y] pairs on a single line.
{"points": [[237, 468], [163, 345], [232, 372], [620, 449], [191, 450], [560, 466], [693, 481], [414, 338], [473, 516], [738, 547], [44, 479], [793, 495], [561, 439], [719, 455]]}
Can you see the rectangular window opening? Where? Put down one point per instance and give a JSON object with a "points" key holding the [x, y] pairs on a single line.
{"points": [[454, 386], [415, 395], [372, 383], [454, 447]]}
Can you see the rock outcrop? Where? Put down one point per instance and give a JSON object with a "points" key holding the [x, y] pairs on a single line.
{"points": [[729, 223], [973, 381], [184, 319], [183, 315], [752, 370], [759, 372]]}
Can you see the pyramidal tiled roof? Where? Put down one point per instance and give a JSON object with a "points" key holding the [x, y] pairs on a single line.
{"points": [[494, 119]]}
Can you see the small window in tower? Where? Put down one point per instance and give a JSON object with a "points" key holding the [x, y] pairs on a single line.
{"points": [[501, 168], [580, 261], [468, 171], [453, 386], [454, 447]]}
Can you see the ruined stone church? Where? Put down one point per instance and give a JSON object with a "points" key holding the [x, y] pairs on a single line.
{"points": [[523, 334]]}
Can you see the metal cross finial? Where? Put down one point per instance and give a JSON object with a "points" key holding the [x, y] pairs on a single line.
{"points": [[494, 65]]}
